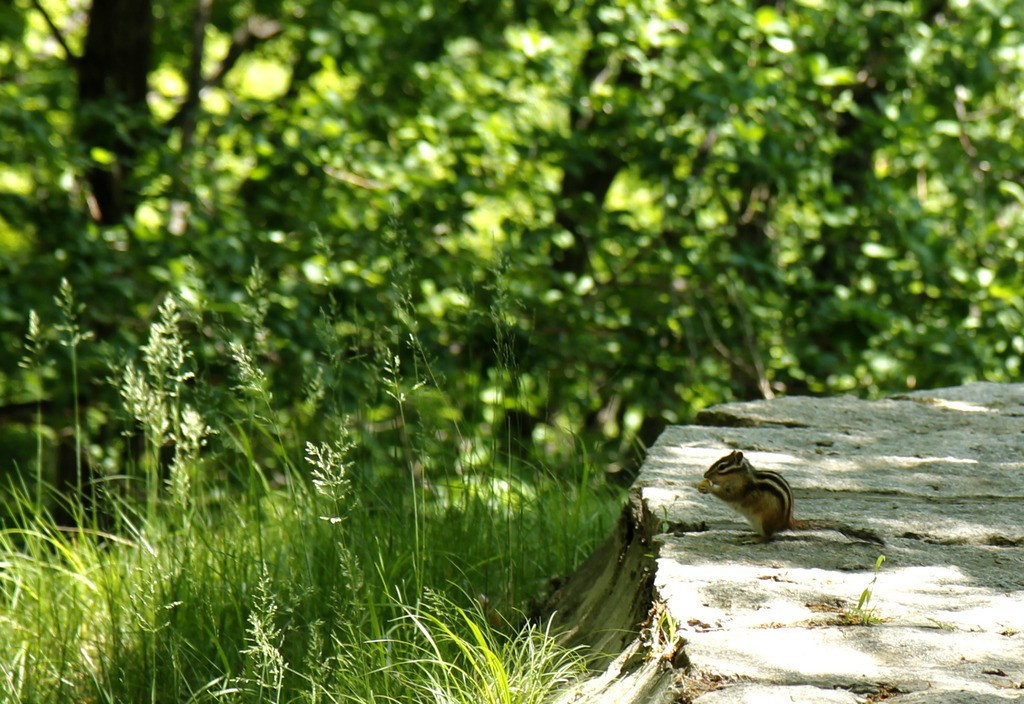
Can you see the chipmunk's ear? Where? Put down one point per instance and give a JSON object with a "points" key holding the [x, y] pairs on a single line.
{"points": [[737, 455]]}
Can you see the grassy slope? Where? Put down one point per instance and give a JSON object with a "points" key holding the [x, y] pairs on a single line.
{"points": [[269, 599], [319, 583]]}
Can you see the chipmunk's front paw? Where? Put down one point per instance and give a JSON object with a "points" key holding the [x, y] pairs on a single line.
{"points": [[704, 486]]}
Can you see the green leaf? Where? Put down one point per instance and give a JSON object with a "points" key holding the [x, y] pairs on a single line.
{"points": [[877, 251], [783, 45], [102, 156], [769, 21], [1012, 188], [838, 76]]}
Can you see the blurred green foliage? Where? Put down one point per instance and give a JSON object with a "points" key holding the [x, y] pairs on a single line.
{"points": [[578, 220]]}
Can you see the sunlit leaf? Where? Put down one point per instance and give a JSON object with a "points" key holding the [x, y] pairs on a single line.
{"points": [[837, 76], [878, 251], [1012, 188], [102, 156], [783, 45]]}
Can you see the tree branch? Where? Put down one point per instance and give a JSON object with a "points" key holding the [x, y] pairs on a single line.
{"points": [[71, 57], [256, 29]]}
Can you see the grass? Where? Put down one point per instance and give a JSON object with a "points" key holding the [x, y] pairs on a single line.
{"points": [[270, 602], [235, 561], [864, 613]]}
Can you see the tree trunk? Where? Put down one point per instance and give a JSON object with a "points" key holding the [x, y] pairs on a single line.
{"points": [[112, 113]]}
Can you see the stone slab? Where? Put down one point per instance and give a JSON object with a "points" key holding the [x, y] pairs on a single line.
{"points": [[938, 475]]}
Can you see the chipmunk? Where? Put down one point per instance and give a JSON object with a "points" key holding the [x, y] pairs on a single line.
{"points": [[764, 499]]}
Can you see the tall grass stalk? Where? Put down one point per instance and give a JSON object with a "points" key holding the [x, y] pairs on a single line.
{"points": [[72, 336], [33, 361], [393, 388]]}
